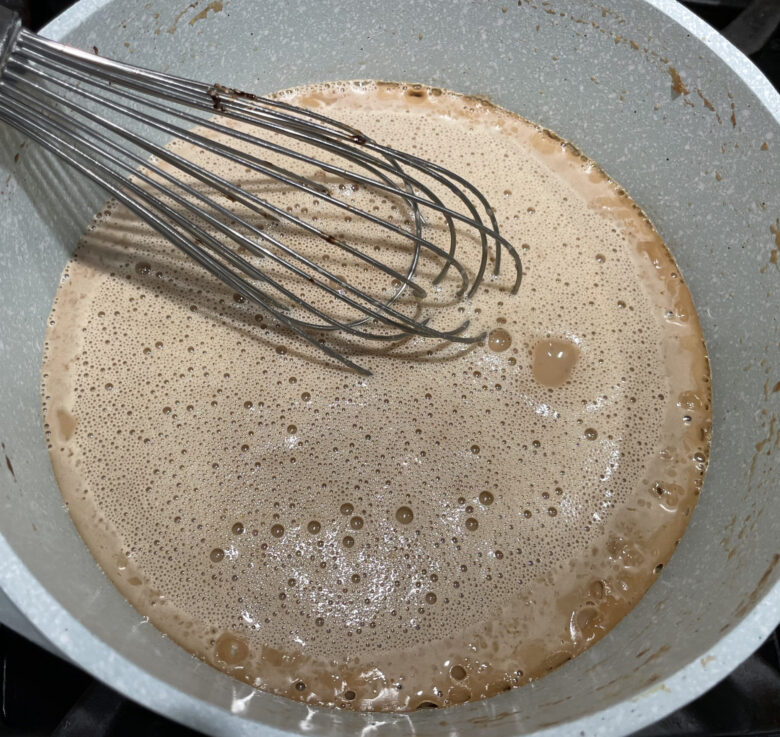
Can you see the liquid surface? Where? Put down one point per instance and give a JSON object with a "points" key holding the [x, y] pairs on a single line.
{"points": [[462, 521]]}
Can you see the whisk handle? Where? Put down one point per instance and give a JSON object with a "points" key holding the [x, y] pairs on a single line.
{"points": [[10, 25]]}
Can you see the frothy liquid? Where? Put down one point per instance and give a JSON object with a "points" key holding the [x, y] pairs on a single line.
{"points": [[461, 522]]}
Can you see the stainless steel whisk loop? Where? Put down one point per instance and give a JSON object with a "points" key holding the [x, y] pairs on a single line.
{"points": [[87, 110]]}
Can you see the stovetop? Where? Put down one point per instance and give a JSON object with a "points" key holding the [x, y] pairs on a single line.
{"points": [[745, 704]]}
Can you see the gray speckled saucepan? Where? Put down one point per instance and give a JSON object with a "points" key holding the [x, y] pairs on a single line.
{"points": [[668, 108]]}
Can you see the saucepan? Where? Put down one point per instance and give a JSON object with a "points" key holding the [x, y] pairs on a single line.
{"points": [[670, 110]]}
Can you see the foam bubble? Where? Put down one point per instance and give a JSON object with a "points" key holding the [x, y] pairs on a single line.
{"points": [[375, 543]]}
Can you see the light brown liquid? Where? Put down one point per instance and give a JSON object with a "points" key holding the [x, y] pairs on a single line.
{"points": [[459, 523], [553, 361]]}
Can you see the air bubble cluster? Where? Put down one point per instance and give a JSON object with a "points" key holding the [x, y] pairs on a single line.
{"points": [[388, 542]]}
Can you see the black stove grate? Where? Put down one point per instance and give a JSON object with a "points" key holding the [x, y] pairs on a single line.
{"points": [[42, 695]]}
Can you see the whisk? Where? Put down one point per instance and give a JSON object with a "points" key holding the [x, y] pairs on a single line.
{"points": [[111, 121]]}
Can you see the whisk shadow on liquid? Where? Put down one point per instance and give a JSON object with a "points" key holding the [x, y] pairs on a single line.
{"points": [[44, 178], [353, 236], [168, 274]]}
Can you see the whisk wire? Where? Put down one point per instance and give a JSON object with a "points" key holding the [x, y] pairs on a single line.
{"points": [[262, 167], [47, 90], [406, 324], [93, 169]]}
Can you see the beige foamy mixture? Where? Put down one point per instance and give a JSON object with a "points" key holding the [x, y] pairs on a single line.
{"points": [[461, 522]]}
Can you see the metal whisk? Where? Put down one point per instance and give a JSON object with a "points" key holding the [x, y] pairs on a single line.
{"points": [[110, 121]]}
